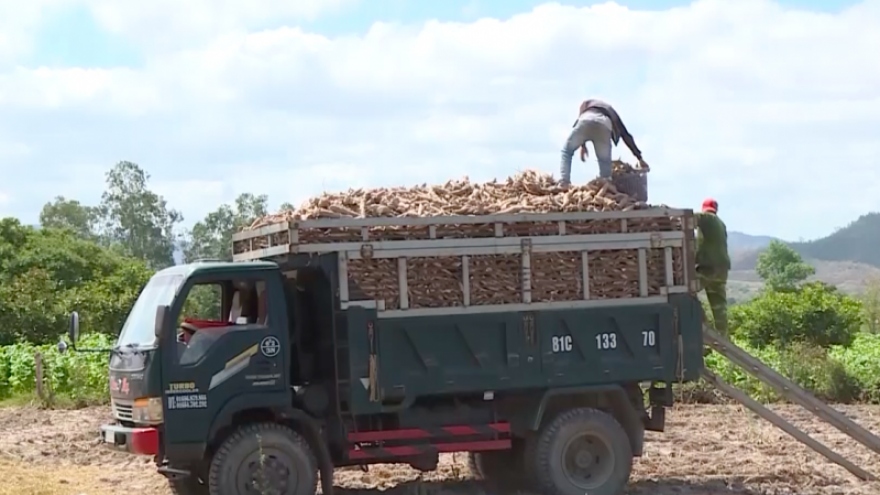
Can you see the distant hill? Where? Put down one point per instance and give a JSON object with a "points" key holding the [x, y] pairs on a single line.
{"points": [[738, 241], [848, 258], [859, 242]]}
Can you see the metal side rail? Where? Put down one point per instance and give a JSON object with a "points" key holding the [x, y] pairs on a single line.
{"points": [[785, 426], [789, 389]]}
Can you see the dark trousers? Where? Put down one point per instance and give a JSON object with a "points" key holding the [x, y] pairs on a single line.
{"points": [[714, 282]]}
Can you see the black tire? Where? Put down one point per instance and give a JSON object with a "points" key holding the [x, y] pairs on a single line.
{"points": [[188, 486], [263, 459], [503, 468], [582, 451]]}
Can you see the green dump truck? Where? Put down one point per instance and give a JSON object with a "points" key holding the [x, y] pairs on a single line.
{"points": [[544, 345]]}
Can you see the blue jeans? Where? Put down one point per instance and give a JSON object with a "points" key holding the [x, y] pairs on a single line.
{"points": [[594, 128]]}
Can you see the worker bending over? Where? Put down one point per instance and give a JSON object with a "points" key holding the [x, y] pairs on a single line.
{"points": [[599, 123], [713, 262]]}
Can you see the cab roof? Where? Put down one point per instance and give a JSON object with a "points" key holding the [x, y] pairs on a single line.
{"points": [[203, 267]]}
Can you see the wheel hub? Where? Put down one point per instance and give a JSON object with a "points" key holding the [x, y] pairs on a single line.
{"points": [[266, 474], [584, 459], [587, 461]]}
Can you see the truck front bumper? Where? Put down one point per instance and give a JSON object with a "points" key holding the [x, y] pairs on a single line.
{"points": [[142, 441]]}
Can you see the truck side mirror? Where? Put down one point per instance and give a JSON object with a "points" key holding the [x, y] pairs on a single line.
{"points": [[73, 328], [72, 334], [161, 315]]}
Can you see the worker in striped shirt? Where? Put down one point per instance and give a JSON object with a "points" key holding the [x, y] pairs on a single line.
{"points": [[600, 124]]}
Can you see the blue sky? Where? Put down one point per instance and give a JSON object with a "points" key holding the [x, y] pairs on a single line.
{"points": [[71, 37]]}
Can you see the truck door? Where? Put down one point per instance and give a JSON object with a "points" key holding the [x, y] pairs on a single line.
{"points": [[230, 353]]}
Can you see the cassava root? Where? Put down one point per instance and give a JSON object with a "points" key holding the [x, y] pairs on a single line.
{"points": [[494, 279]]}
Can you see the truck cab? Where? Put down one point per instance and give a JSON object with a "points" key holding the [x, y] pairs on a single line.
{"points": [[203, 342]]}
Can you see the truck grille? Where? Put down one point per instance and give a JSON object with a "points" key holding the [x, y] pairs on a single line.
{"points": [[122, 409]]}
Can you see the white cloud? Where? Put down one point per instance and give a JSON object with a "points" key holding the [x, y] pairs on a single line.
{"points": [[772, 111], [183, 24]]}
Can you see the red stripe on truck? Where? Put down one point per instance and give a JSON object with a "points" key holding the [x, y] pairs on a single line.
{"points": [[418, 433]]}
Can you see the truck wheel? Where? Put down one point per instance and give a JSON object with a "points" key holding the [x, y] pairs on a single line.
{"points": [[505, 468], [583, 451], [263, 458], [188, 486]]}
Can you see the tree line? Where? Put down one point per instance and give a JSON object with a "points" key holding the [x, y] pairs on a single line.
{"points": [[95, 258]]}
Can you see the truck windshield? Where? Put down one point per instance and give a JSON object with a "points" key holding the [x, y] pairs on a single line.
{"points": [[140, 324]]}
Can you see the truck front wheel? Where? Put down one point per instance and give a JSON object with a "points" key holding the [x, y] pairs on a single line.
{"points": [[263, 458], [581, 451]]}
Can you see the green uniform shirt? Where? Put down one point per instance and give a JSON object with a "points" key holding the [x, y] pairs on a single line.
{"points": [[711, 242]]}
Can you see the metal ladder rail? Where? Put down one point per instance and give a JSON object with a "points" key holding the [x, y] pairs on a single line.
{"points": [[790, 390], [785, 426]]}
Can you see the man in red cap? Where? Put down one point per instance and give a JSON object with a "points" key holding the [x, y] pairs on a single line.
{"points": [[713, 262]]}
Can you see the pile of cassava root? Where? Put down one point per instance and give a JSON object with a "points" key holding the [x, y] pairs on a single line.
{"points": [[493, 279], [525, 192]]}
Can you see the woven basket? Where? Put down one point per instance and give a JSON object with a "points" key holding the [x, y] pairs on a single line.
{"points": [[632, 184]]}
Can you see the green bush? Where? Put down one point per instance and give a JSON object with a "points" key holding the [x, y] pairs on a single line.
{"points": [[80, 377], [862, 362], [839, 374], [814, 314]]}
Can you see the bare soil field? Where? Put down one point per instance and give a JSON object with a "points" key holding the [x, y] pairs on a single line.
{"points": [[706, 450]]}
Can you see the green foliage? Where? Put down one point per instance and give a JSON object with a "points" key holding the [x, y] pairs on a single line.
{"points": [[871, 303], [136, 219], [838, 374], [862, 362], [77, 377], [71, 215], [814, 314], [46, 273], [781, 267], [212, 237]]}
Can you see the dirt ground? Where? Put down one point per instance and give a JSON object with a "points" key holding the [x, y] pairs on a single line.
{"points": [[706, 450]]}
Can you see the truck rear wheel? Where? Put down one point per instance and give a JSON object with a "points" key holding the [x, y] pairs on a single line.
{"points": [[263, 458], [583, 451]]}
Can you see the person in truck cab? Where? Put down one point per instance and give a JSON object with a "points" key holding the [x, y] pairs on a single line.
{"points": [[713, 262], [248, 305], [600, 124]]}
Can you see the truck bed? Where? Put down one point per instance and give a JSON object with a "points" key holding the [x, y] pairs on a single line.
{"points": [[431, 266], [497, 352]]}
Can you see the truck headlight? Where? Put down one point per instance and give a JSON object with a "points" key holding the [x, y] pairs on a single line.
{"points": [[147, 410]]}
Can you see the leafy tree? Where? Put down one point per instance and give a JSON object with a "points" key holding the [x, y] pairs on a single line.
{"points": [[137, 219], [70, 214], [29, 309], [46, 273], [816, 313], [212, 237], [782, 268]]}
